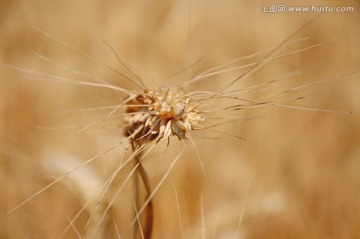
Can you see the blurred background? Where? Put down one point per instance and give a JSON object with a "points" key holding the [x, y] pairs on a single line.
{"points": [[279, 172]]}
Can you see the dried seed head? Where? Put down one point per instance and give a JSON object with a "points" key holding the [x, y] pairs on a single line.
{"points": [[156, 114]]}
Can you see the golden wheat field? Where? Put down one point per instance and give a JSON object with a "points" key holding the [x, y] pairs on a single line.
{"points": [[276, 154]]}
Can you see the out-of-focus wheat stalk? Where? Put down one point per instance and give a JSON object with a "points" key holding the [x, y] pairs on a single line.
{"points": [[70, 151]]}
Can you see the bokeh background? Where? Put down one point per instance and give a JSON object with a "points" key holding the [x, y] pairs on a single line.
{"points": [[297, 178]]}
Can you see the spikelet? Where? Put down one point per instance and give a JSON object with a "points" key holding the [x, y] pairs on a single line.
{"points": [[159, 114]]}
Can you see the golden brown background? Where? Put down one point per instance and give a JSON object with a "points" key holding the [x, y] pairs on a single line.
{"points": [[300, 179]]}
